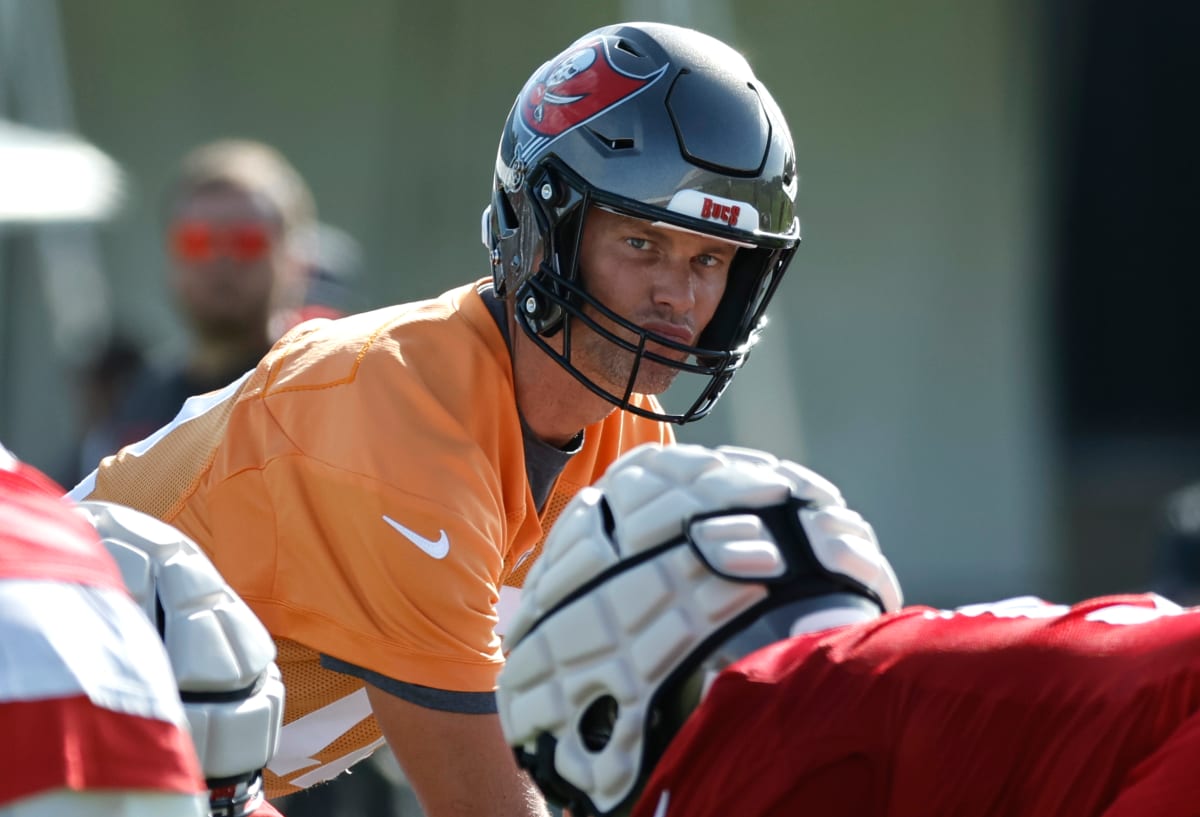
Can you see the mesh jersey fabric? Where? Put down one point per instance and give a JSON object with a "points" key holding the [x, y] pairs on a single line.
{"points": [[1088, 711], [320, 484]]}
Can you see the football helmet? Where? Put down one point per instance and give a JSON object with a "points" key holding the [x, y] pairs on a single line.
{"points": [[654, 122], [679, 561]]}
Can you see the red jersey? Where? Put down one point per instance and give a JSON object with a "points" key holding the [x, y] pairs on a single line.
{"points": [[87, 699], [1019, 708]]}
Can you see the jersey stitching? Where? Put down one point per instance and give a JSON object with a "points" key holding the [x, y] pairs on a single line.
{"points": [[268, 391]]}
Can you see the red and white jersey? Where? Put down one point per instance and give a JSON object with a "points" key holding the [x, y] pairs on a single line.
{"points": [[89, 710], [1020, 708]]}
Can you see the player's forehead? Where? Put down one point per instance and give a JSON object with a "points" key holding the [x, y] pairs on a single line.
{"points": [[615, 221]]}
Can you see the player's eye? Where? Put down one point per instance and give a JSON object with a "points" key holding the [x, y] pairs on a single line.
{"points": [[638, 243]]}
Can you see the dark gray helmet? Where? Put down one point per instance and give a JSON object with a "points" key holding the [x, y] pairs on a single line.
{"points": [[659, 123]]}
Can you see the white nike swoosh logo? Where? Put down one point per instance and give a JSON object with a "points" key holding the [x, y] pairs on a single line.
{"points": [[663, 800], [437, 548]]}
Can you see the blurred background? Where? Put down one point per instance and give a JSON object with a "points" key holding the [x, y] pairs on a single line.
{"points": [[985, 339]]}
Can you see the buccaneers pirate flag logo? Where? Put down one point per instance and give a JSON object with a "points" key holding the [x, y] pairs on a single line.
{"points": [[577, 87]]}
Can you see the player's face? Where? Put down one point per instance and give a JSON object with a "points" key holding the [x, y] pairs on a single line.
{"points": [[663, 280], [229, 260]]}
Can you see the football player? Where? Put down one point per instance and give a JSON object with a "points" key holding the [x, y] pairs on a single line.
{"points": [[713, 632], [378, 486]]}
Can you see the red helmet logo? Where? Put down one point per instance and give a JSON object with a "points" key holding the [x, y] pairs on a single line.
{"points": [[577, 87]]}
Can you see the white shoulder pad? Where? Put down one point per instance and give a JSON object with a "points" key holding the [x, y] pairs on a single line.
{"points": [[238, 735], [222, 655], [215, 641]]}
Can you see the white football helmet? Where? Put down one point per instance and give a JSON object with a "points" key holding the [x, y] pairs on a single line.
{"points": [[678, 561], [222, 655]]}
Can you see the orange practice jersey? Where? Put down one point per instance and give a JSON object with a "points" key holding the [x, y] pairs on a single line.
{"points": [[364, 490]]}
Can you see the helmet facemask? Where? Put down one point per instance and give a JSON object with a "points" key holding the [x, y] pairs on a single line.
{"points": [[553, 301]]}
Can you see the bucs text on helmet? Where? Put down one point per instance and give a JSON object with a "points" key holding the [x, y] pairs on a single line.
{"points": [[653, 122]]}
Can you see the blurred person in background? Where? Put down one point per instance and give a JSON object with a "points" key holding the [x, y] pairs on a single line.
{"points": [[235, 216], [379, 485], [101, 382], [235, 302], [332, 260], [713, 632]]}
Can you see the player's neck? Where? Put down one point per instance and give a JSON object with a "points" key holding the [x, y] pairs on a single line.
{"points": [[555, 405]]}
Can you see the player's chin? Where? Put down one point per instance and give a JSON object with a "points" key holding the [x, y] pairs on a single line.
{"points": [[654, 378], [223, 325]]}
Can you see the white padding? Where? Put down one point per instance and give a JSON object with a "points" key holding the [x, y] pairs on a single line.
{"points": [[235, 737], [739, 545], [627, 636], [845, 543], [215, 642], [222, 656]]}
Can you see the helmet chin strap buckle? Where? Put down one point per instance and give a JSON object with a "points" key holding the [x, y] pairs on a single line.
{"points": [[539, 313]]}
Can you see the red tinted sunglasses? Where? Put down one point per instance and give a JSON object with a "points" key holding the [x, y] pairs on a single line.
{"points": [[198, 242]]}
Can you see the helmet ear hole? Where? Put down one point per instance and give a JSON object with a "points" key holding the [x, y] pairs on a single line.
{"points": [[596, 725]]}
